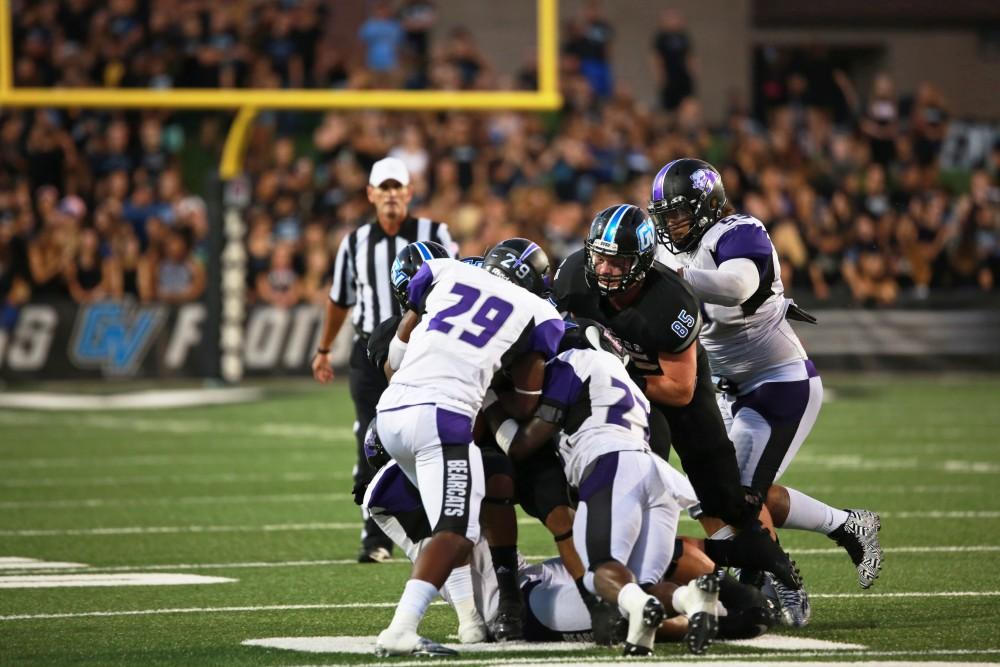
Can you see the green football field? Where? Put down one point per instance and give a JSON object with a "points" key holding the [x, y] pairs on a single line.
{"points": [[245, 510]]}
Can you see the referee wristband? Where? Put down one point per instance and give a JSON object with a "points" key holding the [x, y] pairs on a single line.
{"points": [[505, 434]]}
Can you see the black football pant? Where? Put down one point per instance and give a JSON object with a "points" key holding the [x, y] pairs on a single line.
{"points": [[707, 455], [367, 384]]}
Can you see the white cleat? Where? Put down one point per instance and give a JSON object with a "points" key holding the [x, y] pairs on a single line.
{"points": [[473, 632], [392, 642], [700, 602], [643, 622]]}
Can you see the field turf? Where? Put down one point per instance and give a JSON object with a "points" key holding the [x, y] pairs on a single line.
{"points": [[260, 493]]}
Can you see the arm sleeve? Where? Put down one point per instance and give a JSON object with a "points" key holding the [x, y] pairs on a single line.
{"points": [[342, 291], [731, 284]]}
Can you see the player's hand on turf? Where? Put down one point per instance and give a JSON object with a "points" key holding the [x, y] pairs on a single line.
{"points": [[321, 368]]}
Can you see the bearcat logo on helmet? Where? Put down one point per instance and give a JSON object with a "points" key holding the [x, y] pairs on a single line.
{"points": [[704, 180]]}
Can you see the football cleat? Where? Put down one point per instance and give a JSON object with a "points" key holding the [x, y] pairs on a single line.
{"points": [[700, 602], [608, 625], [507, 625], [376, 555], [642, 626], [473, 632], [391, 642], [793, 603], [859, 537]]}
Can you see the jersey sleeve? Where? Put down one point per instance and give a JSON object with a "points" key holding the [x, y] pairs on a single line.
{"points": [[560, 390], [420, 284], [548, 332], [748, 241], [342, 291]]}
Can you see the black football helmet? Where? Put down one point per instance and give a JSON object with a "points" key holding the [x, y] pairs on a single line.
{"points": [[622, 232], [408, 262], [375, 453], [687, 199], [522, 262]]}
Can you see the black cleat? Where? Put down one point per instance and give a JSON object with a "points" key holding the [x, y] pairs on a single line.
{"points": [[608, 625], [636, 650], [507, 625]]}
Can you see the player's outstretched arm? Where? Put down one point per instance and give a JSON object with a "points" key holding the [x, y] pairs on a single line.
{"points": [[680, 374]]}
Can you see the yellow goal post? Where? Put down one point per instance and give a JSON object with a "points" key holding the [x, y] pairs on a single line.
{"points": [[248, 101]]}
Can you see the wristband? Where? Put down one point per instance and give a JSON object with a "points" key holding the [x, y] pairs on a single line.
{"points": [[397, 349], [505, 434], [322, 350]]}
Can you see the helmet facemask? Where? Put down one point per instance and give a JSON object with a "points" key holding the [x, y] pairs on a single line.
{"points": [[614, 272], [677, 225]]}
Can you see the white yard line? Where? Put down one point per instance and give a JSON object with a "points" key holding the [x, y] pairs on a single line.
{"points": [[772, 659], [168, 460], [390, 605], [193, 478], [42, 566], [293, 527], [181, 426], [87, 503]]}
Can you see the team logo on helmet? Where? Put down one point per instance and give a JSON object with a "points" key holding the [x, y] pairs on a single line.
{"points": [[704, 180]]}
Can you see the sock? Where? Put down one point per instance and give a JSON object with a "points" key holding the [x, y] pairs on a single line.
{"points": [[631, 596], [417, 596], [677, 600], [505, 566], [459, 586], [806, 513]]}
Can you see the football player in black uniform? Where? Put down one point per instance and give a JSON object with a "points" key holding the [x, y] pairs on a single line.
{"points": [[615, 281]]}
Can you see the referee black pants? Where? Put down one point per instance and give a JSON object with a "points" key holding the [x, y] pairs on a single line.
{"points": [[367, 384], [707, 454]]}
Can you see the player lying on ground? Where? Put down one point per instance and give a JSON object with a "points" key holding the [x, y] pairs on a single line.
{"points": [[554, 608]]}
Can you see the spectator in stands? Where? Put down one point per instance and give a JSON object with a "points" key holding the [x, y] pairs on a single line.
{"points": [[176, 276], [91, 277], [418, 18], [382, 35], [590, 44], [280, 286], [880, 121], [672, 59], [866, 269]]}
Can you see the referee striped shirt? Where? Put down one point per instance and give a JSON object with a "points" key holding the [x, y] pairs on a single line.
{"points": [[361, 272]]}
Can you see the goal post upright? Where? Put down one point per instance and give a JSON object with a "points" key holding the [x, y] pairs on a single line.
{"points": [[228, 188]]}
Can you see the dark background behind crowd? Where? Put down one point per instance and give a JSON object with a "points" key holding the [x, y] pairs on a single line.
{"points": [[858, 187]]}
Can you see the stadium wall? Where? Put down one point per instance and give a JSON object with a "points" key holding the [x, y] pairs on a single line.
{"points": [[124, 340]]}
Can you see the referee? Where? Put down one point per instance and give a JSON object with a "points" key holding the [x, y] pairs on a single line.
{"points": [[361, 281]]}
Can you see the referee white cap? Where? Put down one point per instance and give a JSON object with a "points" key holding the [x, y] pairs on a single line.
{"points": [[389, 169]]}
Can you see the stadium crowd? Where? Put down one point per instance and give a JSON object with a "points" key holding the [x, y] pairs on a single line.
{"points": [[94, 204]]}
